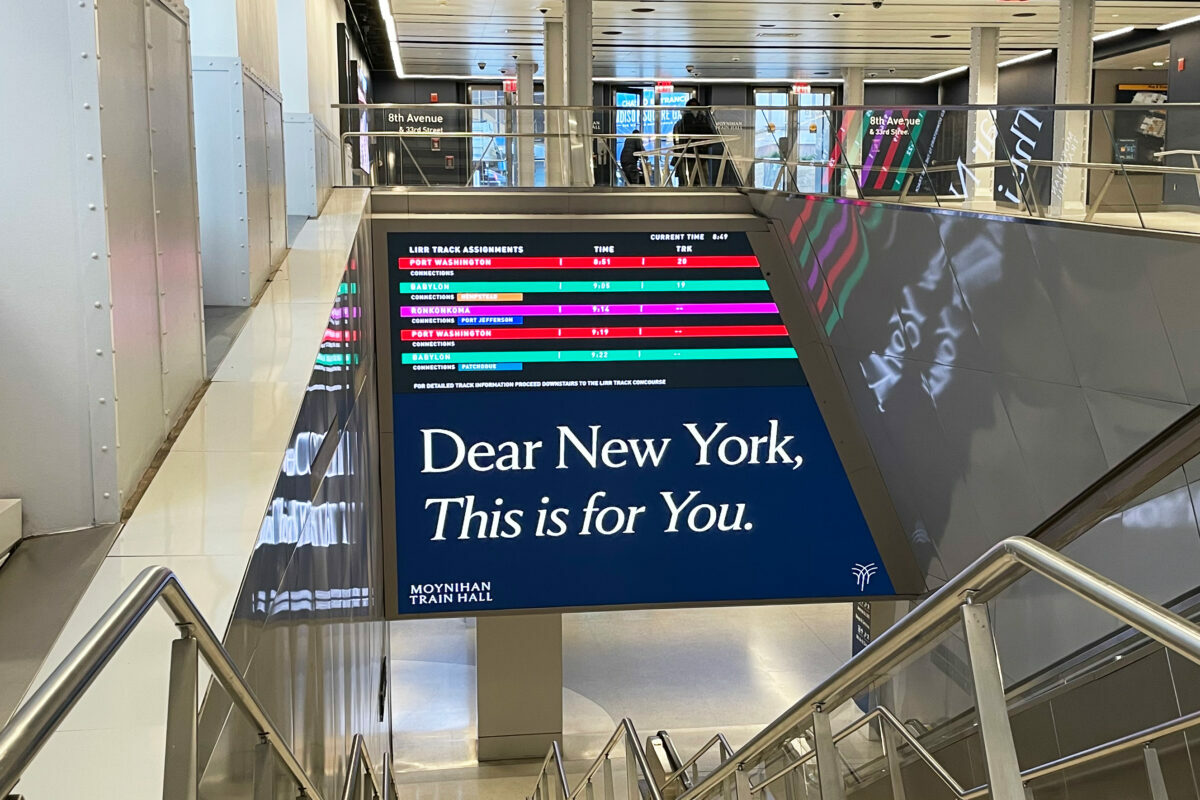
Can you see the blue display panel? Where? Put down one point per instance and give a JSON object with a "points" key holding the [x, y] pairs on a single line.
{"points": [[607, 419]]}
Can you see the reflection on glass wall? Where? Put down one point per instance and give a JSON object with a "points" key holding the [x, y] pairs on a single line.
{"points": [[794, 135], [495, 155]]}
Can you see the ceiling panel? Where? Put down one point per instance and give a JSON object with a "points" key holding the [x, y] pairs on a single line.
{"points": [[745, 39]]}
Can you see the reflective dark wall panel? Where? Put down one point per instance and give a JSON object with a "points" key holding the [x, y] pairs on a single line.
{"points": [[998, 367]]}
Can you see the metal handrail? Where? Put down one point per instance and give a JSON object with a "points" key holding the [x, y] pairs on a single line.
{"points": [[30, 728], [625, 732], [718, 739], [1053, 767], [360, 762], [722, 107], [997, 569]]}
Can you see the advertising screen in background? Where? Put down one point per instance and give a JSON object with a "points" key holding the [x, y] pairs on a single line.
{"points": [[607, 419]]}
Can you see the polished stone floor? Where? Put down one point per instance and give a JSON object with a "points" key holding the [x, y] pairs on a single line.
{"points": [[691, 672]]}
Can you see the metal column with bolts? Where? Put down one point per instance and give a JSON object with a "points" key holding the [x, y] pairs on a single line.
{"points": [[983, 79], [1072, 84], [180, 781], [999, 750], [577, 55], [853, 94], [525, 170], [829, 772], [555, 89]]}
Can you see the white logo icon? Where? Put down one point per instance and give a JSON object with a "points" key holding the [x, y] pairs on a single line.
{"points": [[863, 573]]}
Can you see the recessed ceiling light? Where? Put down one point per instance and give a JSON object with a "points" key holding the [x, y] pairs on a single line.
{"points": [[736, 58], [1116, 15], [1025, 14], [1160, 63], [1138, 69], [642, 10], [611, 33], [820, 73], [766, 24], [939, 36]]}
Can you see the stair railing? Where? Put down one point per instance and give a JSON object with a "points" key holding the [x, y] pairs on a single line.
{"points": [[356, 788], [32, 725], [688, 773], [552, 778]]}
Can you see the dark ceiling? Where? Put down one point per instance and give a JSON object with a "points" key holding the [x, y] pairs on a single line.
{"points": [[367, 26]]}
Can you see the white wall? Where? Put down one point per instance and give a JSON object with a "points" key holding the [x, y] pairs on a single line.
{"points": [[99, 297], [293, 55], [323, 19], [258, 39], [309, 81], [239, 139], [48, 235], [214, 27]]}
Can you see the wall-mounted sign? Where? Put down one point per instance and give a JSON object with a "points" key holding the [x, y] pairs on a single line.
{"points": [[606, 419]]}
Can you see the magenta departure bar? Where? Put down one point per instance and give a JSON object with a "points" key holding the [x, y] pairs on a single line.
{"points": [[599, 309]]}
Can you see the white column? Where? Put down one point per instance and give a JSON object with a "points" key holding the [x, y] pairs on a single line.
{"points": [[1072, 84], [577, 54], [554, 69], [982, 80], [525, 123], [853, 94]]}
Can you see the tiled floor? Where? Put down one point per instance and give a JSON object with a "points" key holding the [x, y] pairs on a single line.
{"points": [[689, 671], [222, 324]]}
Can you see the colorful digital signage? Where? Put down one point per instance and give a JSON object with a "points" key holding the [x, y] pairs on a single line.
{"points": [[607, 419]]}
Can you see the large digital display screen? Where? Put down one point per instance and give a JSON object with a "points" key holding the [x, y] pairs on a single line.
{"points": [[607, 419]]}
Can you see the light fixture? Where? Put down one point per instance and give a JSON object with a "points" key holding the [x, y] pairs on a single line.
{"points": [[1026, 57], [939, 36], [1100, 37], [389, 22], [945, 74], [766, 24], [611, 33], [1159, 63], [1179, 22], [1025, 14], [643, 10]]}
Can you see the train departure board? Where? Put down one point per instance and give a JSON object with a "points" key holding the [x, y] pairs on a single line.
{"points": [[563, 311], [607, 419]]}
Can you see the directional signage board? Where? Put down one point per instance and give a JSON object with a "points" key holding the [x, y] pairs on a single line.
{"points": [[589, 420]]}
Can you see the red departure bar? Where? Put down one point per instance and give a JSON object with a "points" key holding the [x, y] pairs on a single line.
{"points": [[576, 262], [597, 332]]}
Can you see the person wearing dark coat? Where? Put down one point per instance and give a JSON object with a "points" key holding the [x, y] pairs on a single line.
{"points": [[693, 125], [629, 160]]}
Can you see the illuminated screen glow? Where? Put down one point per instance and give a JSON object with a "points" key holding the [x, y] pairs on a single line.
{"points": [[607, 419]]}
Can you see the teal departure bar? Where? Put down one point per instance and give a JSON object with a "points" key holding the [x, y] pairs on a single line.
{"points": [[565, 356]]}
